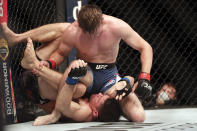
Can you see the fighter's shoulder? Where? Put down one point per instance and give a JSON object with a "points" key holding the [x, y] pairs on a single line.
{"points": [[70, 32], [113, 22], [72, 28]]}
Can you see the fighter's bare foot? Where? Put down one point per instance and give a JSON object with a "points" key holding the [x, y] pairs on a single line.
{"points": [[29, 60], [8, 34]]}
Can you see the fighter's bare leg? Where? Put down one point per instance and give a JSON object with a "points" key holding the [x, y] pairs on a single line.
{"points": [[45, 50], [30, 62], [48, 78], [46, 88], [45, 33]]}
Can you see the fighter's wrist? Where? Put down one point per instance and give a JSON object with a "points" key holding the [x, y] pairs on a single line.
{"points": [[71, 81], [52, 64], [144, 75]]}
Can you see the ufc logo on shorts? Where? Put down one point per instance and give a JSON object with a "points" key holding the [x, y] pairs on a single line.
{"points": [[101, 67], [1, 8]]}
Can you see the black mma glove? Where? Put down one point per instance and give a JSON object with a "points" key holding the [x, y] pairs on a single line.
{"points": [[127, 89], [144, 89], [75, 74]]}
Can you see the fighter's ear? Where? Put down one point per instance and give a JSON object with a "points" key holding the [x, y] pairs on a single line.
{"points": [[94, 112]]}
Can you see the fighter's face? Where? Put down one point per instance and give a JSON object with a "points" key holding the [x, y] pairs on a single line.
{"points": [[166, 93], [97, 100], [169, 90]]}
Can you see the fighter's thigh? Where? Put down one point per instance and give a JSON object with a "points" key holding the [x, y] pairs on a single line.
{"points": [[46, 90]]}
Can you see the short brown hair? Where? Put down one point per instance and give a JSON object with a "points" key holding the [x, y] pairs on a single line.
{"points": [[89, 18], [110, 112]]}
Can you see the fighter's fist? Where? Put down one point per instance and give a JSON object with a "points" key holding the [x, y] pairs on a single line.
{"points": [[76, 73], [144, 89], [78, 70]]}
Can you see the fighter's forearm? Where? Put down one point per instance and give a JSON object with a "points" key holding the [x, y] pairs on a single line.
{"points": [[47, 119], [64, 99], [49, 74], [146, 58]]}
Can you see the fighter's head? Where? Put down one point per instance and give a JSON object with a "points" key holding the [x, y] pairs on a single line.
{"points": [[166, 94], [104, 108], [89, 18]]}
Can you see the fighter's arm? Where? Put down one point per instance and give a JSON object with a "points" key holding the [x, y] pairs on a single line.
{"points": [[69, 108], [134, 40], [64, 103], [66, 107], [66, 45]]}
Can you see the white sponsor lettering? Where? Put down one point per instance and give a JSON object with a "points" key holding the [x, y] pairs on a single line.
{"points": [[101, 67], [110, 82], [7, 96], [76, 9]]}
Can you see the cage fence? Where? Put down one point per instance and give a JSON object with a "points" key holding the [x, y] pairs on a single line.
{"points": [[168, 26]]}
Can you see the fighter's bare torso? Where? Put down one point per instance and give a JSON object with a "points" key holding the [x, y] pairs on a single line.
{"points": [[101, 47]]}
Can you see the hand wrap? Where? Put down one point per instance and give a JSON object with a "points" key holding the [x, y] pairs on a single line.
{"points": [[75, 74], [52, 64]]}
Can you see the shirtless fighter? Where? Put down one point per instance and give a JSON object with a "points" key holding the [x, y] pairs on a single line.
{"points": [[96, 37], [42, 98]]}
